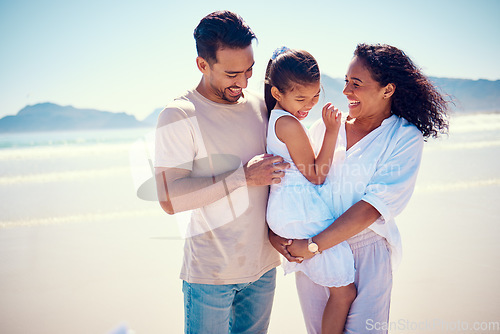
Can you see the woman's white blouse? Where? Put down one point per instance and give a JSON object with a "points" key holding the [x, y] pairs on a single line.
{"points": [[381, 169]]}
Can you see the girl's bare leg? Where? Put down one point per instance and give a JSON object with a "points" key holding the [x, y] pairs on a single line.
{"points": [[337, 308]]}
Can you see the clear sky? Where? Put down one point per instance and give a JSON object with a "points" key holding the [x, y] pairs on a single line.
{"points": [[135, 56]]}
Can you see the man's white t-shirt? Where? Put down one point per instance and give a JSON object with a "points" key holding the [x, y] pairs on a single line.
{"points": [[226, 241]]}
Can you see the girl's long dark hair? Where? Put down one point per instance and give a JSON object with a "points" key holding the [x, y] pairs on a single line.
{"points": [[416, 98], [287, 69]]}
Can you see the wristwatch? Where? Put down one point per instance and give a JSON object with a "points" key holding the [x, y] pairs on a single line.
{"points": [[312, 246]]}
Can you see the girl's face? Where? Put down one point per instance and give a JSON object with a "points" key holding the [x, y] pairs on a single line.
{"points": [[365, 95], [299, 100]]}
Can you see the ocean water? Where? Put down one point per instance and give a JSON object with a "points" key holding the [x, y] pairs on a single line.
{"points": [[468, 157], [69, 138], [65, 175], [70, 176]]}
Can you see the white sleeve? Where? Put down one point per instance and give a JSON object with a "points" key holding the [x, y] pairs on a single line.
{"points": [[176, 145], [392, 184]]}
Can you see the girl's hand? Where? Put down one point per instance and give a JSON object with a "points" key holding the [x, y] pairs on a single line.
{"points": [[331, 117], [298, 248], [281, 245]]}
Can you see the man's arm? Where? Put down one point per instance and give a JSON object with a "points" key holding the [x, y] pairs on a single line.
{"points": [[178, 191]]}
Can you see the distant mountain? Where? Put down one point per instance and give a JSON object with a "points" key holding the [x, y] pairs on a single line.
{"points": [[53, 117], [153, 117], [467, 95], [332, 89], [471, 95]]}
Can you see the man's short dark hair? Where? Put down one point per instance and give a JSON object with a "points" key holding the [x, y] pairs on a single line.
{"points": [[221, 29]]}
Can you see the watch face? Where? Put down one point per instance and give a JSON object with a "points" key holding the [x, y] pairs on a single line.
{"points": [[313, 248]]}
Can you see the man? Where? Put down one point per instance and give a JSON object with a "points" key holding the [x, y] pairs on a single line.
{"points": [[209, 159]]}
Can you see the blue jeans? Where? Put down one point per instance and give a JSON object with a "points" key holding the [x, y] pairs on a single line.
{"points": [[230, 308]]}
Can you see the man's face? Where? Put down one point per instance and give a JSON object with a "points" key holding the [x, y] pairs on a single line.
{"points": [[224, 80]]}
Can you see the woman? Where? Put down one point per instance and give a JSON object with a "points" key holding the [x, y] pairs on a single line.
{"points": [[392, 108]]}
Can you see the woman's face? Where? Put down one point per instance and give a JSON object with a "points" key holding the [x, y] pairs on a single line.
{"points": [[365, 95]]}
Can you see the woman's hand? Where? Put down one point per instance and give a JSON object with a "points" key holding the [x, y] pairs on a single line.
{"points": [[331, 117], [281, 245], [298, 249]]}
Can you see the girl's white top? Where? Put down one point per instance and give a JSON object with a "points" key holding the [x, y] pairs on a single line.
{"points": [[295, 208], [298, 209]]}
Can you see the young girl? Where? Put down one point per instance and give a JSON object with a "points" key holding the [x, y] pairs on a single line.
{"points": [[296, 209]]}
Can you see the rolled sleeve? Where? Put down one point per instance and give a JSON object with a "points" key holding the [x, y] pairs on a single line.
{"points": [[390, 188]]}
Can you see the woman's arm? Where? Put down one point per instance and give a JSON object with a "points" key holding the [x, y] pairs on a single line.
{"points": [[386, 194], [290, 131], [357, 218]]}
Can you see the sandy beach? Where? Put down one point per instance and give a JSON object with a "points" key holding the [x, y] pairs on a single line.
{"points": [[81, 253]]}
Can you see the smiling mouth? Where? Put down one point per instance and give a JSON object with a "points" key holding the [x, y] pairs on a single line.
{"points": [[303, 114], [353, 103], [234, 91]]}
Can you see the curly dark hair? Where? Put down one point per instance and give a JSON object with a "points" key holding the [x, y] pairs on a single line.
{"points": [[416, 99], [221, 29]]}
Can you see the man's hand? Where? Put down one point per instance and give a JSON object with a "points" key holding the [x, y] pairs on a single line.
{"points": [[265, 169], [281, 245]]}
